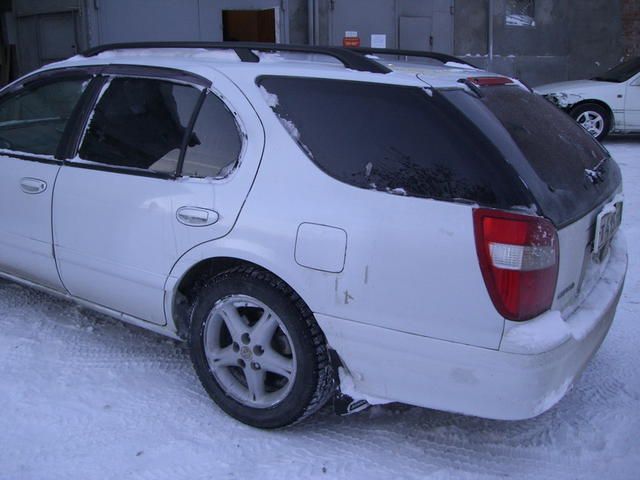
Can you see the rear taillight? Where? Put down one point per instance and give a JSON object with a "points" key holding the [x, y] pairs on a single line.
{"points": [[490, 81], [519, 256]]}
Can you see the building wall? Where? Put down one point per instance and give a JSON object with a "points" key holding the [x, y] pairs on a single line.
{"points": [[111, 21], [631, 27], [571, 39]]}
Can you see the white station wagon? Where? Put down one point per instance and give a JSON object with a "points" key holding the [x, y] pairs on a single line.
{"points": [[317, 225]]}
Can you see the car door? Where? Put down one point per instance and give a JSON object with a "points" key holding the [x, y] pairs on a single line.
{"points": [[164, 164], [632, 104], [34, 116]]}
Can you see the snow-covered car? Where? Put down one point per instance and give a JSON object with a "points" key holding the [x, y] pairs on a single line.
{"points": [[316, 225], [609, 103]]}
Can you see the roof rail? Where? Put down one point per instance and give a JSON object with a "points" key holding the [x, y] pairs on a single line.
{"points": [[350, 58], [442, 57]]}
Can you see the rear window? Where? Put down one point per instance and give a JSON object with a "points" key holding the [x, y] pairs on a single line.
{"points": [[396, 139], [568, 171]]}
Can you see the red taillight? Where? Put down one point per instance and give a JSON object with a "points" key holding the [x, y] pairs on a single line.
{"points": [[490, 81], [519, 256]]}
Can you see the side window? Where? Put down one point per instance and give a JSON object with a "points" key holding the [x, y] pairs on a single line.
{"points": [[33, 119], [140, 123], [395, 139], [215, 143]]}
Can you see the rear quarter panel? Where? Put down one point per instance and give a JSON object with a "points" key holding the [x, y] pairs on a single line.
{"points": [[410, 263]]}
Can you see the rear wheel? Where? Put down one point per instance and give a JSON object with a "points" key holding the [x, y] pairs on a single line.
{"points": [[258, 350], [594, 118]]}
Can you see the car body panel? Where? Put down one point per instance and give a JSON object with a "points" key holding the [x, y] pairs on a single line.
{"points": [[407, 312], [632, 104], [129, 275], [25, 230], [536, 365]]}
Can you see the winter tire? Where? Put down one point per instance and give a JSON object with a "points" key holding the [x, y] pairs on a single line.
{"points": [[258, 350]]}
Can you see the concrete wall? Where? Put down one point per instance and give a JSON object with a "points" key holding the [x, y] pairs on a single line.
{"points": [[571, 39], [110, 21], [631, 27], [131, 20]]}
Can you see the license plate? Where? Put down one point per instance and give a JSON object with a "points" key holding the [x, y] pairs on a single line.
{"points": [[607, 224]]}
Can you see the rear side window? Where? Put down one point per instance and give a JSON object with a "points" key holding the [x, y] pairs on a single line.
{"points": [[34, 118], [215, 143], [396, 139], [140, 123]]}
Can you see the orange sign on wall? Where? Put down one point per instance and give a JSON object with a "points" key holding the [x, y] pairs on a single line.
{"points": [[351, 39]]}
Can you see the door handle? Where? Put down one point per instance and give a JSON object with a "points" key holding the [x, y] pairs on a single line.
{"points": [[196, 216], [32, 186]]}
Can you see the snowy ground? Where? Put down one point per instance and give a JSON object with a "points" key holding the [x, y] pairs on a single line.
{"points": [[84, 397]]}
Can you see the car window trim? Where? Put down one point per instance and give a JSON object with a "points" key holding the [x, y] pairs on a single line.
{"points": [[106, 74], [48, 159], [160, 73], [189, 131], [103, 167], [45, 77]]}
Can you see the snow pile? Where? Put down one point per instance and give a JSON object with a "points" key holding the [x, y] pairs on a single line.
{"points": [[270, 98], [463, 66], [224, 55], [540, 335]]}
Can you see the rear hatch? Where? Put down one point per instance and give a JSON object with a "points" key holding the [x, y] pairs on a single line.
{"points": [[571, 176]]}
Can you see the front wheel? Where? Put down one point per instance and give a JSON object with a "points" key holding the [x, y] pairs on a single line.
{"points": [[258, 350], [594, 118]]}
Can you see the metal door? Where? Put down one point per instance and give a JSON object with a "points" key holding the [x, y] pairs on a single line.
{"points": [[416, 33], [46, 38]]}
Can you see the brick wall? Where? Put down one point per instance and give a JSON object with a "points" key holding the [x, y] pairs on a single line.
{"points": [[631, 27]]}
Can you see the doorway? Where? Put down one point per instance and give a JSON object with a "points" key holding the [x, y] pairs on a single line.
{"points": [[251, 25]]}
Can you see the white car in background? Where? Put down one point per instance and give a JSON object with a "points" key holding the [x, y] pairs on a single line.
{"points": [[609, 103]]}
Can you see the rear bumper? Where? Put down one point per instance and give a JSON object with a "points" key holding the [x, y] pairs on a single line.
{"points": [[534, 368]]}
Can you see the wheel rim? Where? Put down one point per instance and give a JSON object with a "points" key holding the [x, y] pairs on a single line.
{"points": [[249, 351], [592, 122]]}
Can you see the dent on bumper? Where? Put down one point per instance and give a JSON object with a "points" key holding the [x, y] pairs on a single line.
{"points": [[496, 384]]}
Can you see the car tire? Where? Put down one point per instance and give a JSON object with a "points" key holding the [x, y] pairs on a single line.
{"points": [[594, 118], [258, 350]]}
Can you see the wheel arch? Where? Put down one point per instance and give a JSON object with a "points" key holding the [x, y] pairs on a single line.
{"points": [[601, 103], [187, 278]]}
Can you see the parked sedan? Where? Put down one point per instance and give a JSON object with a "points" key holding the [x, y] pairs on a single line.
{"points": [[607, 103]]}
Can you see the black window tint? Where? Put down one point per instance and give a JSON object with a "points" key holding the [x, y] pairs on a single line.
{"points": [[140, 123], [559, 153], [214, 146], [393, 138], [33, 119]]}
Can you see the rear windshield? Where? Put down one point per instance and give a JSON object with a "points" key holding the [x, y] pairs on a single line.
{"points": [[567, 170], [396, 139]]}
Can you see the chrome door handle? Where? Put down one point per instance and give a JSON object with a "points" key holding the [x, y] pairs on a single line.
{"points": [[196, 216], [32, 186]]}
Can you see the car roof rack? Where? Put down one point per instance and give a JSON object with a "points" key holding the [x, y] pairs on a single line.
{"points": [[350, 58], [442, 57]]}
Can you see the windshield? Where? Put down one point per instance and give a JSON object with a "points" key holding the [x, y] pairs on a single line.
{"points": [[622, 72]]}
